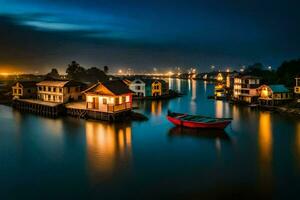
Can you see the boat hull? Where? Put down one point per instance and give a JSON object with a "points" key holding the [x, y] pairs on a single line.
{"points": [[200, 125]]}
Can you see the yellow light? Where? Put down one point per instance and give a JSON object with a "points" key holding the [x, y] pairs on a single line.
{"points": [[120, 71], [4, 74]]}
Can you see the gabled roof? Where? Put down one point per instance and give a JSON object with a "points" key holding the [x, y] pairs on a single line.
{"points": [[150, 81], [55, 83], [137, 81], [278, 88], [27, 84], [116, 87]]}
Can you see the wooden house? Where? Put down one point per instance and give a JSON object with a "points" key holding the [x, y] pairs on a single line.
{"points": [[138, 87], [24, 90], [109, 97], [59, 91], [273, 94], [156, 87], [245, 88]]}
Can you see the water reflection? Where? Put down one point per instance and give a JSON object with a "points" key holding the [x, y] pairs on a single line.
{"points": [[219, 109], [108, 146], [198, 133], [265, 147], [156, 107], [194, 89]]}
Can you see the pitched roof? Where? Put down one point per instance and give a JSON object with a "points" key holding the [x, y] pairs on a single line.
{"points": [[65, 83], [278, 88], [117, 87], [27, 84]]}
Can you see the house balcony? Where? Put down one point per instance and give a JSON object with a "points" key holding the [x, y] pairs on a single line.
{"points": [[108, 108]]}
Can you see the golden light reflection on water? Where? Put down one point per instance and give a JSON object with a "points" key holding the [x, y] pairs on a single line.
{"points": [[156, 108], [265, 142], [219, 109], [194, 89], [178, 84], [205, 86], [107, 147]]}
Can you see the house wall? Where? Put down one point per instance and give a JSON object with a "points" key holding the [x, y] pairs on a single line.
{"points": [[58, 94], [18, 91], [138, 88], [105, 103], [156, 88]]}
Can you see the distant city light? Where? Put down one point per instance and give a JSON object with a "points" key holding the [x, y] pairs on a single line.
{"points": [[120, 71], [270, 67]]}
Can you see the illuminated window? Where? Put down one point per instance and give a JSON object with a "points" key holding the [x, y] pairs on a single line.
{"points": [[127, 98], [104, 101]]}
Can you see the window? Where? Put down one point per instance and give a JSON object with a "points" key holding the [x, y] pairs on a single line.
{"points": [[104, 101], [44, 88], [138, 87], [20, 92], [127, 98], [69, 89], [49, 97], [40, 88], [60, 90], [123, 99], [15, 91], [49, 89], [60, 98], [117, 101]]}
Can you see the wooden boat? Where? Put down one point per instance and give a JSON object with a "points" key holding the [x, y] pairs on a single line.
{"points": [[198, 121]]}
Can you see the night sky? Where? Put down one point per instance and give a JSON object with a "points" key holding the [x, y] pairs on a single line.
{"points": [[36, 35]]}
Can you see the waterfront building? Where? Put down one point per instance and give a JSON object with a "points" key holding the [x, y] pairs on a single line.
{"points": [[155, 88], [219, 77], [59, 91], [273, 94], [24, 90], [138, 87], [109, 97], [220, 91], [297, 89], [245, 88]]}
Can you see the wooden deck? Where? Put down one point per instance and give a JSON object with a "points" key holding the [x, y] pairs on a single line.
{"points": [[48, 109], [79, 110]]}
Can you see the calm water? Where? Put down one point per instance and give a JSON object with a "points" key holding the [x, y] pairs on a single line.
{"points": [[259, 155]]}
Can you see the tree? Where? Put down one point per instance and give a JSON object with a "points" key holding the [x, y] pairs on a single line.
{"points": [[94, 74], [105, 68], [288, 71], [75, 71], [53, 74]]}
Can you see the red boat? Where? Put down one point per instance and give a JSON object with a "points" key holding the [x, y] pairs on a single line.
{"points": [[198, 121]]}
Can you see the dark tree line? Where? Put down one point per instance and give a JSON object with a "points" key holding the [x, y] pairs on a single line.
{"points": [[76, 72], [285, 74]]}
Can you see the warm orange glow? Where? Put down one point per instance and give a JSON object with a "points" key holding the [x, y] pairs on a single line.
{"points": [[219, 109], [219, 77], [6, 70], [265, 137], [264, 92], [156, 107], [106, 144]]}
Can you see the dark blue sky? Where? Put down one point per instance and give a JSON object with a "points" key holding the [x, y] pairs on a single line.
{"points": [[39, 34]]}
